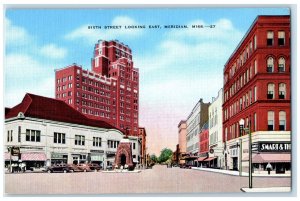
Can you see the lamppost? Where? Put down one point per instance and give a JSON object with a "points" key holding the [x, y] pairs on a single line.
{"points": [[248, 131]]}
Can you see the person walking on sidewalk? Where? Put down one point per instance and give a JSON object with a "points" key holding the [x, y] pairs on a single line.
{"points": [[269, 168]]}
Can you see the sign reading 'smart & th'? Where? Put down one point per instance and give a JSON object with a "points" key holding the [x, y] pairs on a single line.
{"points": [[274, 146]]}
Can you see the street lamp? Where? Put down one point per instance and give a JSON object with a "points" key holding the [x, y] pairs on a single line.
{"points": [[248, 131]]}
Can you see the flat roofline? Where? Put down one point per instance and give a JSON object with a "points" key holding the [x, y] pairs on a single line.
{"points": [[246, 34]]}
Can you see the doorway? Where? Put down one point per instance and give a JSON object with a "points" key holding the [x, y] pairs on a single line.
{"points": [[123, 159]]}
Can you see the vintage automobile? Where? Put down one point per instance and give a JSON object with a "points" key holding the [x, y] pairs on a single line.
{"points": [[87, 167], [58, 168], [74, 168]]}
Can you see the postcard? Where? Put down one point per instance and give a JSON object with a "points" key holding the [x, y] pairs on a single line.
{"points": [[111, 101]]}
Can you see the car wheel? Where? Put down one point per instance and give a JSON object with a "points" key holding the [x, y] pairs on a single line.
{"points": [[65, 171]]}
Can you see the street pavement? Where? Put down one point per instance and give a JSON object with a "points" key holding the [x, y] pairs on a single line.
{"points": [[158, 180]]}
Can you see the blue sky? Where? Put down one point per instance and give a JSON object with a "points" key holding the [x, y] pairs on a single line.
{"points": [[177, 66]]}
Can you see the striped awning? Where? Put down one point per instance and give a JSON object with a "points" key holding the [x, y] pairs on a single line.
{"points": [[200, 159], [210, 158], [7, 157], [34, 156], [271, 158]]}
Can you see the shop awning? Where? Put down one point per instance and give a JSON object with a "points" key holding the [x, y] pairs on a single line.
{"points": [[210, 158], [201, 159], [191, 158], [33, 157], [7, 157], [271, 158]]}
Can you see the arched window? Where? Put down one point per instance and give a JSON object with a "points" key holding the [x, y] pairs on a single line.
{"points": [[281, 65], [282, 120], [270, 65], [271, 91], [270, 120], [282, 91]]}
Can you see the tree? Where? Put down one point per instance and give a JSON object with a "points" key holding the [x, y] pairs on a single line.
{"points": [[165, 155], [153, 158]]}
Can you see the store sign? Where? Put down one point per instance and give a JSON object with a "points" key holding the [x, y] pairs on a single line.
{"points": [[274, 146], [57, 156], [97, 151]]}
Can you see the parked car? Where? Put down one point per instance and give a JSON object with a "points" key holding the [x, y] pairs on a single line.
{"points": [[84, 167], [58, 168], [87, 167], [74, 168], [94, 167]]}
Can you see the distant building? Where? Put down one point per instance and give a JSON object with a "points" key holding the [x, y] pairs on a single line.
{"points": [[49, 131], [215, 125], [182, 132], [204, 159], [196, 119], [142, 137], [257, 85]]}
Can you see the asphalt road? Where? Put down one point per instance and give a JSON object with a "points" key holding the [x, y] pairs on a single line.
{"points": [[157, 180]]}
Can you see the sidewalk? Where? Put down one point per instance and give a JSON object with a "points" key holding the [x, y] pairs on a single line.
{"points": [[267, 190], [236, 173]]}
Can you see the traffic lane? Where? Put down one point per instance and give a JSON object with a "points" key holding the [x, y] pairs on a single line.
{"points": [[157, 180]]}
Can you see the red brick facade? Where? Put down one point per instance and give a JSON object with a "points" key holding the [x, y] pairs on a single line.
{"points": [[257, 79], [110, 92]]}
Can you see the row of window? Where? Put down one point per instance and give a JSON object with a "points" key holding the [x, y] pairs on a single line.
{"points": [[64, 79], [240, 81], [241, 103], [234, 129], [280, 38], [281, 91]]}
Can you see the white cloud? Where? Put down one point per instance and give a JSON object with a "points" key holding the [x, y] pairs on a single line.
{"points": [[93, 35], [185, 66], [19, 66], [15, 35], [14, 97], [53, 51]]}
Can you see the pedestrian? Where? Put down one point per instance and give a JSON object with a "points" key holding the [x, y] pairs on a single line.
{"points": [[269, 168]]}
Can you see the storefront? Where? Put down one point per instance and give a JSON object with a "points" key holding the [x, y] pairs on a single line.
{"points": [[278, 154], [33, 160], [97, 156], [234, 154], [58, 158]]}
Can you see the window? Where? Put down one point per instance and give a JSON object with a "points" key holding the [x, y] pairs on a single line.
{"points": [[59, 138], [270, 65], [282, 120], [79, 140], [281, 38], [282, 91], [270, 120], [281, 65], [33, 135], [270, 94], [255, 94], [19, 134], [254, 41], [255, 67], [133, 145], [9, 135], [96, 141], [270, 37], [255, 122]]}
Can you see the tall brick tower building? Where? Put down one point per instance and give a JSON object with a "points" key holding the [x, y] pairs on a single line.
{"points": [[110, 92]]}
